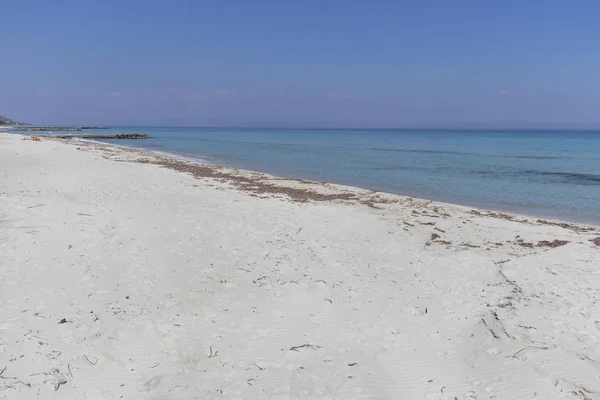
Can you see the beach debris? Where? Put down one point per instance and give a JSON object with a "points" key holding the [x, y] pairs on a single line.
{"points": [[307, 345], [500, 215], [62, 321], [249, 381], [523, 243], [473, 246], [118, 136], [526, 327], [259, 280], [552, 244], [542, 243], [259, 367], [494, 324], [258, 184], [352, 364], [528, 347], [211, 355], [53, 355], [91, 359], [499, 303], [435, 238], [573, 227], [59, 379]]}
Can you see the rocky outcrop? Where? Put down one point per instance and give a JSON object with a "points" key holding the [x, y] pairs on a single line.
{"points": [[7, 121]]}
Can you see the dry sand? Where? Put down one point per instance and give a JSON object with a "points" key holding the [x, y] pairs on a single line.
{"points": [[158, 279]]}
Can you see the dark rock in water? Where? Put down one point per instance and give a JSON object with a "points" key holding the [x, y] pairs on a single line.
{"points": [[131, 136]]}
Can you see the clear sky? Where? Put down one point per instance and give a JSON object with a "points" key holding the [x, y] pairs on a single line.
{"points": [[380, 63]]}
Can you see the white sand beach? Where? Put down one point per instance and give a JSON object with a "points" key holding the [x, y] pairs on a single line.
{"points": [[127, 275]]}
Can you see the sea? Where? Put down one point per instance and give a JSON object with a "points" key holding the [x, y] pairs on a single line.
{"points": [[548, 174]]}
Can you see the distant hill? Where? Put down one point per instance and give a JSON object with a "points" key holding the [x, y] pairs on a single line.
{"points": [[8, 121]]}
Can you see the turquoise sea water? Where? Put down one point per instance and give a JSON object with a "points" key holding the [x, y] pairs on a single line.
{"points": [[546, 174]]}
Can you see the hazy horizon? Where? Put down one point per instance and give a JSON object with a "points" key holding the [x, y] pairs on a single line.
{"points": [[458, 126], [339, 64]]}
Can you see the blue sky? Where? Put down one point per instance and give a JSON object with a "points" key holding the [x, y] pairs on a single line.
{"points": [[312, 62]]}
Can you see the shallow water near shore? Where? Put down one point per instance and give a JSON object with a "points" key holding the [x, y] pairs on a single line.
{"points": [[547, 174]]}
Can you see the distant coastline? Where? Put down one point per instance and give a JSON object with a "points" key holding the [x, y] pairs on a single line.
{"points": [[267, 126], [6, 122]]}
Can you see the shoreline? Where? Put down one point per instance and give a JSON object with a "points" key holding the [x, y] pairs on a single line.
{"points": [[129, 274], [528, 212], [503, 213]]}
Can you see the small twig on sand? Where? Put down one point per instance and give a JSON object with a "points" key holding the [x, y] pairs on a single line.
{"points": [[299, 230], [6, 377], [69, 367], [87, 215], [90, 361], [258, 366], [155, 365], [250, 380], [529, 347], [311, 346], [38, 205], [213, 354], [594, 361]]}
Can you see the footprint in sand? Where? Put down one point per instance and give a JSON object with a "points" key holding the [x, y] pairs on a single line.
{"points": [[150, 384]]}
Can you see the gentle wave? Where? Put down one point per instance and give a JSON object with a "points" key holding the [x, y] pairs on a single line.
{"points": [[395, 150], [464, 153], [529, 175], [571, 177]]}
